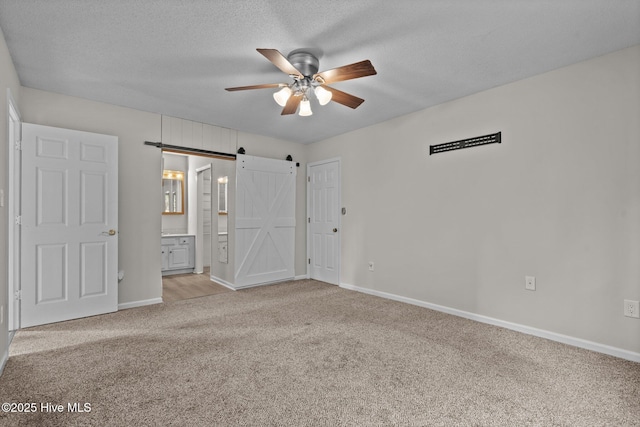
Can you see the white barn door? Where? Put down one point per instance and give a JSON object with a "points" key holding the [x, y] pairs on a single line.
{"points": [[69, 251], [265, 220]]}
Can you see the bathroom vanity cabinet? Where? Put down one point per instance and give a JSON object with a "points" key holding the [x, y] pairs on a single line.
{"points": [[178, 254]]}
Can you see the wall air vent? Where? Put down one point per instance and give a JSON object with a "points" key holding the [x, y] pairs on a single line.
{"points": [[466, 143]]}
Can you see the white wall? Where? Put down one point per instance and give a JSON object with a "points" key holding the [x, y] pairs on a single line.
{"points": [[8, 81], [559, 199], [139, 175]]}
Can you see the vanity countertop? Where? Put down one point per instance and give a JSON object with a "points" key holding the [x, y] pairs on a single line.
{"points": [[177, 235]]}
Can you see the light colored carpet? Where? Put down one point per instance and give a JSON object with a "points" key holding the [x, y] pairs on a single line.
{"points": [[309, 354]]}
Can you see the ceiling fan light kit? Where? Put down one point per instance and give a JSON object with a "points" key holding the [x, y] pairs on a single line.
{"points": [[302, 67], [323, 95], [305, 107], [282, 96]]}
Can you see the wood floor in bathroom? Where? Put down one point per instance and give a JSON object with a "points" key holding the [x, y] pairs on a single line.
{"points": [[185, 286]]}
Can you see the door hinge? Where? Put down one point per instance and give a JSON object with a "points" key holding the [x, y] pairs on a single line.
{"points": [[18, 294], [309, 261], [19, 220], [309, 220], [308, 179], [18, 145]]}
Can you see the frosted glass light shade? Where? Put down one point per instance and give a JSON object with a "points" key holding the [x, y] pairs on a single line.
{"points": [[323, 95], [282, 96], [305, 108]]}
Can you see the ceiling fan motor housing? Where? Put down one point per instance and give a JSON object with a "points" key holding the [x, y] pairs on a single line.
{"points": [[304, 62]]}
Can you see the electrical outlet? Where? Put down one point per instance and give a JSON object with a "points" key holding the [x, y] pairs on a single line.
{"points": [[632, 308], [530, 283], [371, 266]]}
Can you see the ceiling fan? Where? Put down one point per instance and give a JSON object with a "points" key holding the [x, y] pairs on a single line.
{"points": [[302, 67]]}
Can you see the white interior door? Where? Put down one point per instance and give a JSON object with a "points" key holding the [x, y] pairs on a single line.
{"points": [[265, 220], [69, 251], [323, 207]]}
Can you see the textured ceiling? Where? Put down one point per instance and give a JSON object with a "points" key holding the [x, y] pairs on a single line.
{"points": [[176, 57]]}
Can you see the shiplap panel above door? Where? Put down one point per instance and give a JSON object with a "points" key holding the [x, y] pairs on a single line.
{"points": [[187, 133]]}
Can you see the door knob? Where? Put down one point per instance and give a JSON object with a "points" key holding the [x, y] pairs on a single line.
{"points": [[335, 230]]}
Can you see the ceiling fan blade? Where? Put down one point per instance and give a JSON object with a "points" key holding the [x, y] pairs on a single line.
{"points": [[346, 72], [343, 97], [292, 105], [265, 86], [280, 61]]}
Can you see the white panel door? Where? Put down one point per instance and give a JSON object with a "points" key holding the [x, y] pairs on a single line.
{"points": [[69, 251], [265, 220], [323, 198]]}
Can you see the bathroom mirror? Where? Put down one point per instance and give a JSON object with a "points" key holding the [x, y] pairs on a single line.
{"points": [[173, 192], [222, 195]]}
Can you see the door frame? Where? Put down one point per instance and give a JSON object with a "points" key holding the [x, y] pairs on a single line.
{"points": [[339, 214], [13, 238], [200, 241]]}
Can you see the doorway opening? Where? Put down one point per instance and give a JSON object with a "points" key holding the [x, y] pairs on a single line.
{"points": [[190, 235]]}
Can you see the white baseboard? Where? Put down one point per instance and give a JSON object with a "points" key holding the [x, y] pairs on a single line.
{"points": [[565, 339], [141, 303], [222, 282], [5, 356], [236, 288], [183, 271], [273, 282]]}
